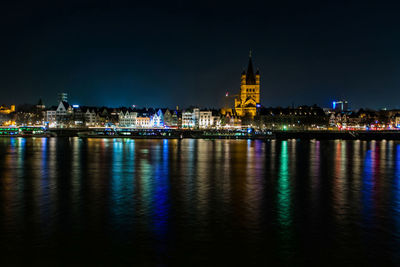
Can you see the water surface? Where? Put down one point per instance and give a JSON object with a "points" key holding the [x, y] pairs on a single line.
{"points": [[199, 202]]}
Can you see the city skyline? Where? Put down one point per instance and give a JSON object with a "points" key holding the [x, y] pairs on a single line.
{"points": [[160, 55]]}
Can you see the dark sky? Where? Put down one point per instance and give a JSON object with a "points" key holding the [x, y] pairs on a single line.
{"points": [[186, 53]]}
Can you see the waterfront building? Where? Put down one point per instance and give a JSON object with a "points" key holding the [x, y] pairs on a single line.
{"points": [[143, 122], [344, 121], [302, 117], [196, 117], [231, 121], [78, 117], [338, 119], [206, 119], [190, 118], [7, 110], [8, 115], [368, 117], [168, 120], [107, 117], [51, 116], [187, 119], [397, 120], [127, 119], [157, 120], [228, 119], [248, 100], [91, 118], [332, 120], [62, 112], [62, 108], [176, 119]]}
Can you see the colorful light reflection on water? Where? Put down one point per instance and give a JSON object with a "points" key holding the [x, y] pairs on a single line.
{"points": [[202, 202]]}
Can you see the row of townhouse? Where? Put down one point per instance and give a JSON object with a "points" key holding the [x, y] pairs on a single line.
{"points": [[202, 119], [189, 119], [145, 119], [73, 115], [66, 115]]}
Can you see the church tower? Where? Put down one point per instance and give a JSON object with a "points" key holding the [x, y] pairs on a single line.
{"points": [[249, 97]]}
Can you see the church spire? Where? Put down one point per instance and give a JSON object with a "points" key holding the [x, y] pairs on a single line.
{"points": [[250, 78]]}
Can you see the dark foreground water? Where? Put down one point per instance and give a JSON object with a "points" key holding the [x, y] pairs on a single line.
{"points": [[199, 202]]}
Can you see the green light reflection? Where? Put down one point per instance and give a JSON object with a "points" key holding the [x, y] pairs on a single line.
{"points": [[284, 217]]}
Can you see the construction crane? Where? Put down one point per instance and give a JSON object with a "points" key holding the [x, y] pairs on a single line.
{"points": [[228, 100]]}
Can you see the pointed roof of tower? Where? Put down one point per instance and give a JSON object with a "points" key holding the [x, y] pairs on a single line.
{"points": [[250, 78]]}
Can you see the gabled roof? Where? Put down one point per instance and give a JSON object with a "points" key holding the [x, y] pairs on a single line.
{"points": [[250, 105], [249, 98], [65, 104]]}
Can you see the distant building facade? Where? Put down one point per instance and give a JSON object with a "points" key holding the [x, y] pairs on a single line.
{"points": [[158, 119], [206, 119], [127, 119], [7, 110], [190, 119], [302, 117], [143, 122], [91, 118]]}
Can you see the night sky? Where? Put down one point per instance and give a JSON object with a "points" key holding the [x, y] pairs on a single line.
{"points": [[163, 54]]}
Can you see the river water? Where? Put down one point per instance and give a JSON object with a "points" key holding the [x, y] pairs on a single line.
{"points": [[199, 202]]}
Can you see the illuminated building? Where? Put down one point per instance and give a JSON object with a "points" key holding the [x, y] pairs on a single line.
{"points": [[176, 119], [78, 117], [60, 115], [6, 110], [397, 120], [63, 111], [229, 121], [157, 119], [187, 120], [51, 116], [196, 117], [332, 120], [91, 118], [190, 119], [143, 122], [248, 100], [127, 119], [206, 119], [168, 120]]}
